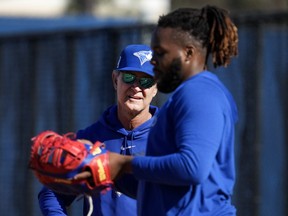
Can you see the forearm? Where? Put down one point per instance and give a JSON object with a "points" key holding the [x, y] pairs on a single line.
{"points": [[181, 168], [51, 203]]}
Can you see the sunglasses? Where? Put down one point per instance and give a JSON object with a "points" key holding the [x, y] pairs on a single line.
{"points": [[144, 82]]}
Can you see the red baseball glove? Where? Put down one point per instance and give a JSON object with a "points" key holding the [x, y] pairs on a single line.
{"points": [[56, 159]]}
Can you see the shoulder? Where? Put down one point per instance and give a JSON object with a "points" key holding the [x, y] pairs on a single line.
{"points": [[204, 84], [97, 127]]}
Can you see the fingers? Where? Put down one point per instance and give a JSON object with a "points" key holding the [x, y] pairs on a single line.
{"points": [[85, 141], [82, 175]]}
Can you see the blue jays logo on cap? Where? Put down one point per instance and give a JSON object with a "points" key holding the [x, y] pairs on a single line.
{"points": [[136, 57], [143, 56]]}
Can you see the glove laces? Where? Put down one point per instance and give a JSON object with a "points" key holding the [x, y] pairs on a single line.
{"points": [[89, 198]]}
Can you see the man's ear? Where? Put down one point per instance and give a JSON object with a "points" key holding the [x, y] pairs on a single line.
{"points": [[189, 51], [115, 75], [155, 90]]}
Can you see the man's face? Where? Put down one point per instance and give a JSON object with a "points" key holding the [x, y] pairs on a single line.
{"points": [[167, 60], [131, 97]]}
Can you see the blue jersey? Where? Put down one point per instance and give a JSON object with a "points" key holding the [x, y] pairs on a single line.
{"points": [[189, 167], [117, 139]]}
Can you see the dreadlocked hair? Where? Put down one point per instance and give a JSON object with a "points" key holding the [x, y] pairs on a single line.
{"points": [[211, 26]]}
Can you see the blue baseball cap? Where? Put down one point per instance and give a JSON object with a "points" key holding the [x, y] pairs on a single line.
{"points": [[136, 57]]}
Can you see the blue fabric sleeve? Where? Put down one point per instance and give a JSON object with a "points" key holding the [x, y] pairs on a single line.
{"points": [[52, 204], [195, 126]]}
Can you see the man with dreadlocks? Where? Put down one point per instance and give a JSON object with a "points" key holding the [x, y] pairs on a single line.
{"points": [[189, 164]]}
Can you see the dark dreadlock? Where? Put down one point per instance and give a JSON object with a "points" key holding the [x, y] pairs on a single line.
{"points": [[211, 26]]}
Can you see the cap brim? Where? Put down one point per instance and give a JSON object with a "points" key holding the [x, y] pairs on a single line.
{"points": [[136, 69]]}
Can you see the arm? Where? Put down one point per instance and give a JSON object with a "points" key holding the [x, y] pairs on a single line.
{"points": [[193, 133], [197, 123], [197, 129], [52, 204]]}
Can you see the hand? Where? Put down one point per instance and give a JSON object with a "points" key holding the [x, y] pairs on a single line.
{"points": [[58, 173], [85, 141], [85, 174], [82, 175], [118, 164]]}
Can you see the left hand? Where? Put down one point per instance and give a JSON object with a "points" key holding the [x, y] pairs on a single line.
{"points": [[118, 164]]}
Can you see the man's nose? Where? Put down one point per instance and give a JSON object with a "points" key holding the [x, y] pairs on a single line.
{"points": [[136, 84]]}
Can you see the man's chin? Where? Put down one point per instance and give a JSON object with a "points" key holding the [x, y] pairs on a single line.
{"points": [[134, 107]]}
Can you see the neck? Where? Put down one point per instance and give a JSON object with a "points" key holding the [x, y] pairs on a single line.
{"points": [[131, 120]]}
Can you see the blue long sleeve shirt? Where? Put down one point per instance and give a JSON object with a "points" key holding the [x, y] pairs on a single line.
{"points": [[189, 167], [117, 139]]}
